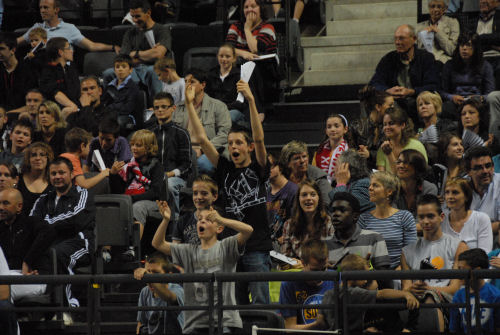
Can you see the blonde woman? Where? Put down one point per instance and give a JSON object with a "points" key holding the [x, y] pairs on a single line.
{"points": [[50, 127]]}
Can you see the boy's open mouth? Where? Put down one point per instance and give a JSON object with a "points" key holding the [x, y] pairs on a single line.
{"points": [[235, 154], [202, 229]]}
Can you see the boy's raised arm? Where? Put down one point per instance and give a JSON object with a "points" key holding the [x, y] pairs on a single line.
{"points": [[199, 134], [257, 130], [244, 230], [159, 242]]}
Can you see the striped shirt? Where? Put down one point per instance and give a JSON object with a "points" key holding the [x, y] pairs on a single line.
{"points": [[361, 243], [264, 33], [398, 230]]}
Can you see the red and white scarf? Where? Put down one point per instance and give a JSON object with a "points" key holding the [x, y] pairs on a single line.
{"points": [[326, 158]]}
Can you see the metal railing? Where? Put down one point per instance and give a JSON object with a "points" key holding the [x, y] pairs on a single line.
{"points": [[94, 289]]}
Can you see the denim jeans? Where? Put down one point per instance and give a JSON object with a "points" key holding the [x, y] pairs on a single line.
{"points": [[144, 74], [205, 166], [253, 261], [175, 184]]}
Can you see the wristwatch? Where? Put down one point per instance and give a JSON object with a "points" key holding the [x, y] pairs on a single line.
{"points": [[136, 55]]}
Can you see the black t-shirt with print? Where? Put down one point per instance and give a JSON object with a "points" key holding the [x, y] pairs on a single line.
{"points": [[244, 199]]}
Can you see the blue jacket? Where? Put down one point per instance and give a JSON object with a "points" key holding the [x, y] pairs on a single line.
{"points": [[424, 75]]}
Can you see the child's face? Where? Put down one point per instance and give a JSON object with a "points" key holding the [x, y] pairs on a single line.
{"points": [[314, 264], [239, 149], [138, 150], [164, 75], [163, 109], [202, 195], [85, 150], [20, 137], [35, 39], [226, 57], [122, 70], [206, 228], [335, 129]]}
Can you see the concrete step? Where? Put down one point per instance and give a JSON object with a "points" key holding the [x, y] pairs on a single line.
{"points": [[356, 11], [346, 76], [367, 26], [354, 60]]}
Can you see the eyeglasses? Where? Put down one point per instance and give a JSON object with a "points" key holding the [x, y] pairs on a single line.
{"points": [[486, 166], [38, 154], [162, 106]]}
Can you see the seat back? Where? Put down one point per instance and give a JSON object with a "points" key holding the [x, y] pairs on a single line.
{"points": [[94, 63], [262, 319], [204, 58], [114, 220]]}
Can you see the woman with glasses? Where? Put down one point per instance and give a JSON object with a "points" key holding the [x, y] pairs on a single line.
{"points": [[411, 168], [472, 227], [50, 127], [466, 75], [34, 180]]}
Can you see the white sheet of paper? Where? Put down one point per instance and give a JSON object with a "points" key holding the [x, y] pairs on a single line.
{"points": [[282, 257], [427, 39], [269, 56], [38, 46], [150, 37], [246, 73], [97, 160]]}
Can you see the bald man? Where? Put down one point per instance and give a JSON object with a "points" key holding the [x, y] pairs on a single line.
{"points": [[17, 240], [407, 71]]}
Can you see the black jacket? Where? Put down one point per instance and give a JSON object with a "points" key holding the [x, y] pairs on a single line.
{"points": [[89, 117], [16, 240], [54, 79], [128, 100], [174, 146], [74, 213], [14, 85], [487, 40]]}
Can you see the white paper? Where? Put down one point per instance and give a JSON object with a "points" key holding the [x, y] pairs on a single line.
{"points": [[150, 38], [282, 257], [38, 46], [269, 56], [246, 73], [427, 39], [97, 160]]}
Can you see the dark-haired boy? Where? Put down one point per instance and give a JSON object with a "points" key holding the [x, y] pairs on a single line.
{"points": [[58, 80], [174, 147], [242, 182], [159, 294], [434, 250], [123, 96], [20, 137], [213, 114], [475, 259], [77, 143], [110, 144], [15, 76]]}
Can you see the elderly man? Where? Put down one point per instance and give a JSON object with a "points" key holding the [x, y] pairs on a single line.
{"points": [[439, 34], [486, 184], [56, 27], [407, 71]]}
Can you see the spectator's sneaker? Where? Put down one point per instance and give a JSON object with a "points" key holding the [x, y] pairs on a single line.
{"points": [[106, 256], [129, 255], [68, 319]]}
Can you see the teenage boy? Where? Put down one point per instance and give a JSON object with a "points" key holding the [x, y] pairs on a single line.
{"points": [[475, 259], [159, 294], [208, 257], [242, 182], [315, 258], [20, 137], [171, 82], [174, 147], [123, 96], [33, 100], [110, 144], [433, 250], [15, 76], [359, 293], [59, 81], [77, 143]]}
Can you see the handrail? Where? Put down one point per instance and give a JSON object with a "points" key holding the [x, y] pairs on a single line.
{"points": [[94, 308]]}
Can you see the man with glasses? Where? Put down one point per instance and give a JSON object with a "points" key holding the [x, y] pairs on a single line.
{"points": [[314, 258], [407, 71], [485, 182], [439, 34], [174, 147]]}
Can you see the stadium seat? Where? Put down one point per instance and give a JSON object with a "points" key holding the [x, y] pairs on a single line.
{"points": [[201, 58], [262, 319], [95, 63]]}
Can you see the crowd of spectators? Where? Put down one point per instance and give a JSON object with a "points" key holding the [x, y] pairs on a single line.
{"points": [[431, 134]]}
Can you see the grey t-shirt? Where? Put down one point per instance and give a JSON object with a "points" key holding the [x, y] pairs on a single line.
{"points": [[222, 257], [135, 39], [161, 322], [440, 253], [176, 89], [357, 295]]}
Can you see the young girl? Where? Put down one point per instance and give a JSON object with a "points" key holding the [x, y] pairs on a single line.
{"points": [[334, 144], [142, 178], [205, 193]]}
